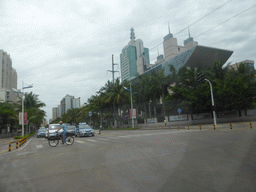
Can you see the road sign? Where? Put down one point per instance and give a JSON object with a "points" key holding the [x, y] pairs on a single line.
{"points": [[179, 110], [90, 113]]}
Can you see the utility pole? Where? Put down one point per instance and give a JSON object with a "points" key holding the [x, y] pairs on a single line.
{"points": [[113, 69]]}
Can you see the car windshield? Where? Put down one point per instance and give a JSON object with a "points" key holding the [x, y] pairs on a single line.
{"points": [[52, 127], [70, 127], [41, 129], [84, 127]]}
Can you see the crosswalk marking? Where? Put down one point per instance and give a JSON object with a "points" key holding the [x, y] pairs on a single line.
{"points": [[103, 139], [39, 146], [80, 141], [112, 137]]}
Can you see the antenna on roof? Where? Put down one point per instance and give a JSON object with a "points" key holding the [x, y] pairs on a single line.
{"points": [[157, 50], [169, 27], [188, 32]]}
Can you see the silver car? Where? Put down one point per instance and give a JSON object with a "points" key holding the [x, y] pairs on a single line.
{"points": [[52, 129]]}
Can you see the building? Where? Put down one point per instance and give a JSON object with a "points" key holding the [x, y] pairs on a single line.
{"points": [[8, 78], [190, 55], [68, 102], [76, 102], [248, 63], [134, 58], [54, 113]]}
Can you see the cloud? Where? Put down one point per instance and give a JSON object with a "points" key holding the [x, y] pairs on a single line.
{"points": [[65, 47]]}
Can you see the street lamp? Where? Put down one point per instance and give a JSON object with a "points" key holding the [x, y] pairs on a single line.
{"points": [[28, 128], [16, 91], [131, 101], [214, 116]]}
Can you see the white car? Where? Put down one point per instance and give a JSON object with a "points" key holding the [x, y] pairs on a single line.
{"points": [[52, 129]]}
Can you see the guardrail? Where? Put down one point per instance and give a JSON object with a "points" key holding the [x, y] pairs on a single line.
{"points": [[200, 127], [18, 143]]}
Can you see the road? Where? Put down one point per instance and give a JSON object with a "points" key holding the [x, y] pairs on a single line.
{"points": [[137, 160]]}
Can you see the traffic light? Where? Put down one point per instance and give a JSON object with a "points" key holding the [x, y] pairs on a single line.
{"points": [[200, 77]]}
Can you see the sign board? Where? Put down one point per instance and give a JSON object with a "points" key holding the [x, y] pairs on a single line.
{"points": [[179, 110], [202, 116], [134, 113], [151, 120], [90, 113], [178, 118], [251, 112]]}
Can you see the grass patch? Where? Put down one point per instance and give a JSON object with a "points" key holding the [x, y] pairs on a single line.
{"points": [[28, 135]]}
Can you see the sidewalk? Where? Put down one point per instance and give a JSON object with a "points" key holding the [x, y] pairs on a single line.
{"points": [[4, 144]]}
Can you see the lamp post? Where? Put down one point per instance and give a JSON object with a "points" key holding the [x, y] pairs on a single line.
{"points": [[131, 101], [16, 91], [28, 128], [214, 116]]}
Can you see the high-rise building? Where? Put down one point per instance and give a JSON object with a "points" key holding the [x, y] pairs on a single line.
{"points": [[134, 58], [8, 78], [54, 113], [76, 102], [68, 102]]}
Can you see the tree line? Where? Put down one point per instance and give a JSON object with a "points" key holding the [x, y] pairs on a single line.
{"points": [[158, 95], [9, 111]]}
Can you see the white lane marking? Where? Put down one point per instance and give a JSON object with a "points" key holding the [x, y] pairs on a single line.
{"points": [[128, 136], [91, 140], [39, 146], [103, 139], [79, 141], [112, 137]]}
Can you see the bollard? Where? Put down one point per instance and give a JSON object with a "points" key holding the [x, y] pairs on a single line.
{"points": [[169, 127], [230, 125], [251, 125], [17, 144], [178, 127], [214, 126], [155, 127], [162, 128], [20, 142], [200, 126], [10, 146], [188, 127], [99, 131]]}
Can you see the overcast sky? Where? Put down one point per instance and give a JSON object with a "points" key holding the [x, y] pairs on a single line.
{"points": [[65, 47]]}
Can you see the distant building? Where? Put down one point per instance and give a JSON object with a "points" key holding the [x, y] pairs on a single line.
{"points": [[76, 102], [68, 102], [59, 111], [8, 78], [54, 113], [134, 58], [248, 63]]}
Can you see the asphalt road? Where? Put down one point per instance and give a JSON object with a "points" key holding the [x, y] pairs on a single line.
{"points": [[141, 160]]}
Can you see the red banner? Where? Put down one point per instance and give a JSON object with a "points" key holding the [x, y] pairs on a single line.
{"points": [[25, 118], [134, 113]]}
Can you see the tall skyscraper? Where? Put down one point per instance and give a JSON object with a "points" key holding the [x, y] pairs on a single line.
{"points": [[134, 58], [68, 102], [8, 78]]}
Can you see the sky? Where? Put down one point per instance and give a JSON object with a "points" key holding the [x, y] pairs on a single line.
{"points": [[65, 47]]}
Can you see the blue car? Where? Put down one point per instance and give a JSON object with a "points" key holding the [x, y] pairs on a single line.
{"points": [[41, 132], [84, 130]]}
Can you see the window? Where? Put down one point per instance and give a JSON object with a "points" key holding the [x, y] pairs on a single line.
{"points": [[178, 49]]}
